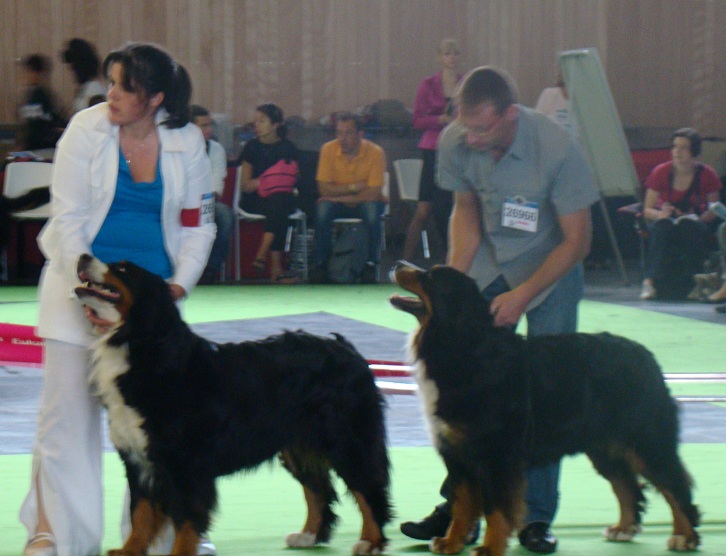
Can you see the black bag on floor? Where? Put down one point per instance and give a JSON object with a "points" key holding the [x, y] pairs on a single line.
{"points": [[349, 256]]}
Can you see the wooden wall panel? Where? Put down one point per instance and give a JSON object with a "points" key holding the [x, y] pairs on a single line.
{"points": [[663, 57]]}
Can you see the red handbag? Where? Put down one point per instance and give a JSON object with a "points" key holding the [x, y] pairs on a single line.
{"points": [[281, 177]]}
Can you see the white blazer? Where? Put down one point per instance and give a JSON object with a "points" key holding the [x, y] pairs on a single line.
{"points": [[84, 184]]}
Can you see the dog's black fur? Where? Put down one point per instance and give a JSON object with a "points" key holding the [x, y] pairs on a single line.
{"points": [[504, 403], [213, 409]]}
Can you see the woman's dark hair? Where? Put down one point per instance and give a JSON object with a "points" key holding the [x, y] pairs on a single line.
{"points": [[147, 70], [82, 57], [37, 63], [690, 133], [274, 112]]}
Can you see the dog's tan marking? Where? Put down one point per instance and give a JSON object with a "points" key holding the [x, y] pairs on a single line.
{"points": [[465, 509], [627, 527], [314, 519], [186, 542], [127, 297], [684, 537], [496, 536], [146, 521], [371, 537]]}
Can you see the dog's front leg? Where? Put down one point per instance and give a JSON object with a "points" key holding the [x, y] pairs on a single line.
{"points": [[465, 508], [496, 536], [187, 539], [146, 521]]}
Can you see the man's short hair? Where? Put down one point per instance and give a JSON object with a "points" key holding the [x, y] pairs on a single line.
{"points": [[197, 111], [487, 84], [349, 117], [37, 63], [693, 136]]}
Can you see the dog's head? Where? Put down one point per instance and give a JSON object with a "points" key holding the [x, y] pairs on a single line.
{"points": [[122, 292], [444, 296]]}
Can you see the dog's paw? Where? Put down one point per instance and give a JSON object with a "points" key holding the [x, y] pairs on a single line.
{"points": [[443, 545], [363, 547], [481, 551], [300, 540], [621, 534], [681, 543]]}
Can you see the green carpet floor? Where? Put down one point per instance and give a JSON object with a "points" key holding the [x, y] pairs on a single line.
{"points": [[257, 510]]}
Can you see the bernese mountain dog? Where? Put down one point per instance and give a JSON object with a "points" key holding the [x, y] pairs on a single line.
{"points": [[498, 403], [184, 410]]}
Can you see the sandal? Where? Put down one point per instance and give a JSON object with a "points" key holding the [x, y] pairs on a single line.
{"points": [[259, 265], [287, 277], [48, 550]]}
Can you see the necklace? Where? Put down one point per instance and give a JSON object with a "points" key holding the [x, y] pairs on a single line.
{"points": [[138, 147]]}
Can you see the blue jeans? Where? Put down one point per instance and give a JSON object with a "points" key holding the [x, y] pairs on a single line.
{"points": [[224, 219], [370, 212], [556, 314]]}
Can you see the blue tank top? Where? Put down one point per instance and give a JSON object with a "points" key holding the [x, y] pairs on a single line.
{"points": [[132, 230]]}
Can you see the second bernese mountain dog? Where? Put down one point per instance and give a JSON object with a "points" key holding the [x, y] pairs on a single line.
{"points": [[184, 410], [498, 403]]}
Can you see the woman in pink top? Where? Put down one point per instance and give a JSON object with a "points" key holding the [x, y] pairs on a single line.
{"points": [[432, 111]]}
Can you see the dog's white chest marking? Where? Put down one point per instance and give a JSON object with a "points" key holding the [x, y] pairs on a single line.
{"points": [[429, 395], [125, 422]]}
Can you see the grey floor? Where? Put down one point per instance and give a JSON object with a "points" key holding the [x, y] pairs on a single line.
{"points": [[20, 387]]}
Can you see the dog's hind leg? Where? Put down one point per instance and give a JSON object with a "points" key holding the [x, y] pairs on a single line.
{"points": [[667, 473], [624, 482], [314, 476], [366, 475]]}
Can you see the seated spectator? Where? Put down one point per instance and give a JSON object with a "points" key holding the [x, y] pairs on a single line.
{"points": [[39, 113], [270, 147], [350, 177], [223, 215], [85, 64], [679, 222], [720, 295]]}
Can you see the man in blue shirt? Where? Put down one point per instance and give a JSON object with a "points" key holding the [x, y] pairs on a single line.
{"points": [[521, 227]]}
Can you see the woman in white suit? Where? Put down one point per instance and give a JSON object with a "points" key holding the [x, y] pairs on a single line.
{"points": [[131, 181]]}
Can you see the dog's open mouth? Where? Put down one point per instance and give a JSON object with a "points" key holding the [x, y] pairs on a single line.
{"points": [[409, 278], [408, 303], [89, 288], [92, 273]]}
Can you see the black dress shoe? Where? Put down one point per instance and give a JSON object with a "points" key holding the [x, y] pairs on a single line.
{"points": [[435, 525], [537, 537]]}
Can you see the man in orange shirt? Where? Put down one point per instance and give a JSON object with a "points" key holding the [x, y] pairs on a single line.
{"points": [[350, 177]]}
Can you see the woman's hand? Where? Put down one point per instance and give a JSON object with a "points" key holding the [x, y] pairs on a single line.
{"points": [[667, 211], [177, 292]]}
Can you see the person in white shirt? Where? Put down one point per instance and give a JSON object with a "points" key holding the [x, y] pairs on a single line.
{"points": [[223, 215], [85, 64], [554, 102]]}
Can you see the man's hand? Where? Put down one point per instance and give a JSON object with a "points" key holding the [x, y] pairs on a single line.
{"points": [[508, 308]]}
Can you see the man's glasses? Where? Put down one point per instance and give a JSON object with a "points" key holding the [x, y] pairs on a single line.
{"points": [[482, 132]]}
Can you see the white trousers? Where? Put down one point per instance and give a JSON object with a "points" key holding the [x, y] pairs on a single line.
{"points": [[67, 455]]}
